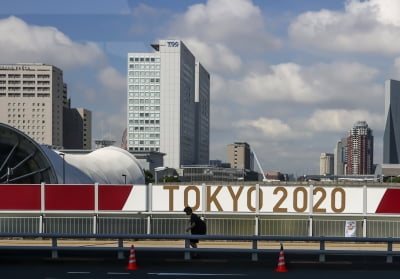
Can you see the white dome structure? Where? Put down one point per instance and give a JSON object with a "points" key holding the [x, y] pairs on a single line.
{"points": [[23, 161], [108, 165]]}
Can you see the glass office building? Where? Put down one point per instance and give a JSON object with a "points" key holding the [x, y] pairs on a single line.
{"points": [[168, 104], [391, 137]]}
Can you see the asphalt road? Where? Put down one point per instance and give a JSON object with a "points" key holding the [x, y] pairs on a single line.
{"points": [[166, 265]]}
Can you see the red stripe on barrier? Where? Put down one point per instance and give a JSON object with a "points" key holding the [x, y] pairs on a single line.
{"points": [[113, 197], [20, 197], [69, 197], [390, 202]]}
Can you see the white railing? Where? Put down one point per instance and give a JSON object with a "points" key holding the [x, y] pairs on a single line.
{"points": [[217, 224]]}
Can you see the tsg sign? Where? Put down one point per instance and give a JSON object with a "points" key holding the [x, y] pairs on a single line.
{"points": [[173, 44]]}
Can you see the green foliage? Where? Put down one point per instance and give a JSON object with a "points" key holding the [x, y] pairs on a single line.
{"points": [[391, 179], [148, 176], [171, 178]]}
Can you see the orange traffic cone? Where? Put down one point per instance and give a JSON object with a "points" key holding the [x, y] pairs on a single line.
{"points": [[281, 262], [132, 260]]}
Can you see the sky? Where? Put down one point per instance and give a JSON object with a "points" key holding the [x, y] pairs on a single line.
{"points": [[288, 77]]}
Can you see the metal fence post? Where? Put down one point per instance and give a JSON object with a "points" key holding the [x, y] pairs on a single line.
{"points": [[254, 255], [42, 197], [120, 251], [95, 223], [54, 252], [256, 219], [187, 253], [40, 229], [322, 249], [389, 258], [256, 225], [365, 227], [149, 224]]}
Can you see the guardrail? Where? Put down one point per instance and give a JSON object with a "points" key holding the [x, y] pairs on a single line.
{"points": [[381, 226], [254, 250]]}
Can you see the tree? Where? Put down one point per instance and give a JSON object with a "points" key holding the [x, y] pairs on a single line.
{"points": [[171, 178], [148, 177], [391, 179]]}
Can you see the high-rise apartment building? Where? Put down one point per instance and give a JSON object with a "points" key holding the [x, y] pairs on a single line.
{"points": [[340, 157], [391, 137], [326, 164], [32, 98], [169, 104], [77, 128], [238, 155], [360, 146]]}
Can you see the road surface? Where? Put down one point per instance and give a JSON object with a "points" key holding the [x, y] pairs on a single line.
{"points": [[167, 265]]}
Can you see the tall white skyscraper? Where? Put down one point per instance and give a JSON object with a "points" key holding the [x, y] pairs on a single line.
{"points": [[326, 164], [340, 157], [169, 104]]}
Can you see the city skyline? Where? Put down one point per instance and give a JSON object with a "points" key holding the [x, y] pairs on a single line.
{"points": [[288, 77]]}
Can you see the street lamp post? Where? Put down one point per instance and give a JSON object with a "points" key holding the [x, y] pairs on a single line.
{"points": [[9, 173], [63, 166]]}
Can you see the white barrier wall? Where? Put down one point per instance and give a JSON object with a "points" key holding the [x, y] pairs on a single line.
{"points": [[276, 199], [303, 199]]}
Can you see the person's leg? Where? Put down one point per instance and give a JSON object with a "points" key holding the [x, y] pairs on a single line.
{"points": [[194, 245]]}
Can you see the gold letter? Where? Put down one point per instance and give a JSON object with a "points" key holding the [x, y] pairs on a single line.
{"points": [[235, 197], [260, 199], [186, 197], [213, 198], [171, 196]]}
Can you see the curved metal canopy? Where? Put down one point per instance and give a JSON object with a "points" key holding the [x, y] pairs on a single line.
{"points": [[23, 161]]}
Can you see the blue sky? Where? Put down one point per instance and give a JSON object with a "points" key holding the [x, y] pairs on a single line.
{"points": [[289, 77]]}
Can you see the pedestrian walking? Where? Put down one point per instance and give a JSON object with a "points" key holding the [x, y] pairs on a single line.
{"points": [[196, 226]]}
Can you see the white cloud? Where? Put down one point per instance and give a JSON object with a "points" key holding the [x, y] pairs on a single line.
{"points": [[327, 84], [385, 11], [111, 79], [269, 128], [216, 58], [87, 94], [396, 67], [230, 22], [24, 43], [110, 126], [368, 26], [340, 120], [283, 83], [222, 31], [286, 109], [20, 42]]}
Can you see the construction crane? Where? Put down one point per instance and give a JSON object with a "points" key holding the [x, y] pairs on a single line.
{"points": [[259, 165]]}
